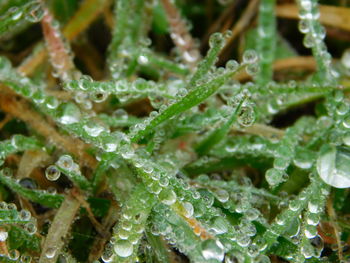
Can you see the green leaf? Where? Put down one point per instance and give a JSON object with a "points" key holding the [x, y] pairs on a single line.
{"points": [[38, 196]]}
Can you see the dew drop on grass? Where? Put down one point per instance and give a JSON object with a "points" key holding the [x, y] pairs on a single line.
{"points": [[213, 249], [232, 65], [24, 215], [3, 235], [123, 248], [219, 225], [30, 228], [50, 252], [246, 116], [274, 176], [333, 166], [303, 26], [250, 56], [98, 97], [35, 14], [26, 259], [14, 254], [65, 162], [222, 195], [188, 209], [167, 196], [107, 255], [109, 144], [252, 69], [52, 173], [93, 129], [345, 59], [16, 13], [68, 113], [216, 39]]}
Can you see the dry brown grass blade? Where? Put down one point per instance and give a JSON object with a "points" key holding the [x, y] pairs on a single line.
{"points": [[60, 59], [180, 35], [97, 225], [217, 24], [338, 17], [59, 228], [21, 109], [30, 160], [242, 23], [333, 220], [262, 130], [107, 223], [90, 9], [301, 62]]}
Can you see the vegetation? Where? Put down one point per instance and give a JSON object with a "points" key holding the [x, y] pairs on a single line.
{"points": [[174, 131]]}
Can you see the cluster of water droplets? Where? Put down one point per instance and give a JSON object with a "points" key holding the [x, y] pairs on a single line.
{"points": [[185, 46], [284, 154], [232, 66], [311, 242], [22, 217], [332, 161], [130, 228], [251, 58], [17, 143], [88, 90], [315, 33], [14, 255], [31, 11]]}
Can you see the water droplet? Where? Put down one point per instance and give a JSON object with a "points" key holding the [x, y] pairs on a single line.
{"points": [[51, 102], [333, 166], [50, 252], [310, 231], [250, 56], [246, 116], [188, 209], [107, 255], [3, 235], [99, 97], [167, 196], [121, 113], [68, 113], [219, 225], [143, 60], [307, 251], [345, 59], [11, 206], [243, 240], [52, 173], [303, 159], [26, 259], [36, 13], [252, 214], [216, 39], [3, 205], [93, 129], [232, 65], [14, 254], [66, 162], [252, 69], [308, 41], [274, 176], [16, 13], [24, 215], [213, 249], [222, 195], [30, 228], [123, 248]]}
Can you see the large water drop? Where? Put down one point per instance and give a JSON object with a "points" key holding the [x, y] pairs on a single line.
{"points": [[333, 166]]}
